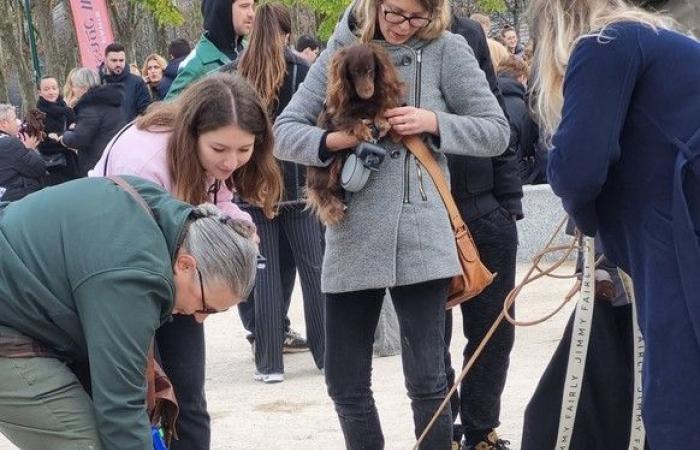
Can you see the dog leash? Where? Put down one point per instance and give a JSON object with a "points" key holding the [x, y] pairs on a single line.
{"points": [[577, 353], [508, 302], [578, 349], [637, 432]]}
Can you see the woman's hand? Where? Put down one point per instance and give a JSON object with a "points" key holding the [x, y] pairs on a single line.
{"points": [[54, 136], [30, 142], [409, 120], [340, 140]]}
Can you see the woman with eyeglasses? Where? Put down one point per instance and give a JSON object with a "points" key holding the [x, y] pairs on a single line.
{"points": [[396, 233], [81, 283], [211, 143]]}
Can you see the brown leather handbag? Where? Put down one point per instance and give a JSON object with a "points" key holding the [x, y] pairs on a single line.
{"points": [[475, 277]]}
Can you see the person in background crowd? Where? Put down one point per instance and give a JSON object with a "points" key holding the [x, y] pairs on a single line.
{"points": [[275, 73], [153, 69], [484, 21], [511, 41], [308, 48], [226, 23], [612, 89], [62, 163], [512, 79], [68, 88], [497, 50], [87, 276], [98, 117], [21, 166], [178, 49], [135, 92], [488, 194], [211, 142], [396, 232]]}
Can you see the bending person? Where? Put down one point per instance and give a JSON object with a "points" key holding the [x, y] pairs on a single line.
{"points": [[81, 283], [211, 142]]}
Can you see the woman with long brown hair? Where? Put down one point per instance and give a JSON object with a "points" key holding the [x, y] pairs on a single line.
{"points": [[291, 240], [612, 87], [210, 143]]}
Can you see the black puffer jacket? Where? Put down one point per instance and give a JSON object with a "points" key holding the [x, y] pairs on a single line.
{"points": [[524, 131], [99, 116], [135, 92], [21, 169], [483, 184]]}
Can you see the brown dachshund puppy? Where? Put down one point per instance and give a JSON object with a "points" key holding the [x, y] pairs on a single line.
{"points": [[362, 84]]}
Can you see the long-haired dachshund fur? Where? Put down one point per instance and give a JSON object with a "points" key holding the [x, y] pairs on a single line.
{"points": [[362, 84]]}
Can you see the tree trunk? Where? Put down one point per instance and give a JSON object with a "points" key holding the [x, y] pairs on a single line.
{"points": [[16, 50]]}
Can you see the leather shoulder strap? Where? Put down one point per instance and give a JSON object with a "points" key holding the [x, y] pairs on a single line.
{"points": [[416, 146], [122, 183]]}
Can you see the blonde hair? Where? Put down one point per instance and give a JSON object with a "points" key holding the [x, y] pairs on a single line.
{"points": [[68, 88], [483, 20], [499, 53], [153, 56], [365, 12], [557, 26], [84, 77]]}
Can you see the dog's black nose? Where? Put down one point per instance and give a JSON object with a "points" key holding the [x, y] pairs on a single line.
{"points": [[406, 61]]}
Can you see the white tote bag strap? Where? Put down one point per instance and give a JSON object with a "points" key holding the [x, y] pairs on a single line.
{"points": [[637, 432], [580, 336]]}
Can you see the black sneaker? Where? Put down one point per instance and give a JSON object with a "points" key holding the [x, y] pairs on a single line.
{"points": [[492, 442], [294, 343]]}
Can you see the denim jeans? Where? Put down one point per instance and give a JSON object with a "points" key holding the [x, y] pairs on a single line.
{"points": [[479, 399], [351, 319]]}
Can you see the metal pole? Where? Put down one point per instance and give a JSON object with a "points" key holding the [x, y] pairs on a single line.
{"points": [[32, 41]]}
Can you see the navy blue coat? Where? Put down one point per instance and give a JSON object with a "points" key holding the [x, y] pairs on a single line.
{"points": [[626, 163]]}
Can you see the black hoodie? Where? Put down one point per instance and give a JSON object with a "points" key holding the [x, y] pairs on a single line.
{"points": [[99, 117], [218, 25]]}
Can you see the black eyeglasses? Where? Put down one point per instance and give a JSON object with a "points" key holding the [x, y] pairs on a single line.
{"points": [[205, 308], [396, 18]]}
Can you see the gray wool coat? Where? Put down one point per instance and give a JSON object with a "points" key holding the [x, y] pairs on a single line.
{"points": [[396, 230]]}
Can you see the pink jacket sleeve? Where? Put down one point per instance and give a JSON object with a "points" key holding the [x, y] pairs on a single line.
{"points": [[224, 200]]}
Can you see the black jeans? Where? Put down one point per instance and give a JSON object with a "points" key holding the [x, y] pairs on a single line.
{"points": [[479, 400], [180, 346], [351, 319]]}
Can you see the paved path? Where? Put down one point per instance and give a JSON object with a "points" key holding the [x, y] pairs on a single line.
{"points": [[298, 415]]}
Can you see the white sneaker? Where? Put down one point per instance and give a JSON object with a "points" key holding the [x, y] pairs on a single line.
{"points": [[268, 377]]}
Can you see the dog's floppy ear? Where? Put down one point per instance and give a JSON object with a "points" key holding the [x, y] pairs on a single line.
{"points": [[340, 85], [388, 85]]}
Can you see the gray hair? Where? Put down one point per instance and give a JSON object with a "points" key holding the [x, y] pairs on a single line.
{"points": [[223, 247], [85, 78], [7, 111]]}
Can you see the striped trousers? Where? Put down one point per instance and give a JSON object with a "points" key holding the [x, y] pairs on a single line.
{"points": [[303, 234]]}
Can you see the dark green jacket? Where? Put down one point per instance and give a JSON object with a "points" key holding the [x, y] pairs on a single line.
{"points": [[203, 59], [85, 271]]}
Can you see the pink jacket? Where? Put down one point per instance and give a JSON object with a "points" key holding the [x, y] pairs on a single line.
{"points": [[142, 153]]}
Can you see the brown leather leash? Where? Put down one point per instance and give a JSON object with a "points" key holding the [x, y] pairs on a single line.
{"points": [[533, 274]]}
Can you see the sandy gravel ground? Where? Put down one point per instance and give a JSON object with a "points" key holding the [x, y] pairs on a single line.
{"points": [[297, 414]]}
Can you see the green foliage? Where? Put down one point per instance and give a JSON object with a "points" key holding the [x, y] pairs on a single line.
{"points": [[327, 13], [492, 6], [164, 11]]}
